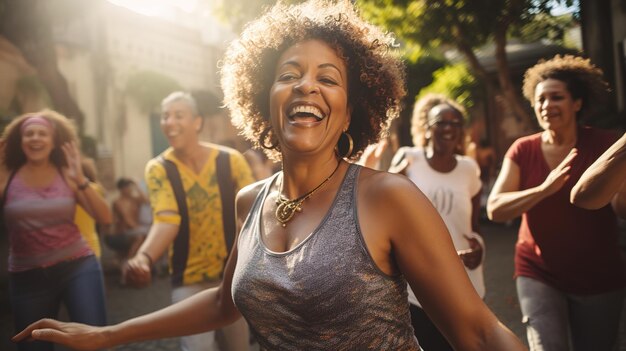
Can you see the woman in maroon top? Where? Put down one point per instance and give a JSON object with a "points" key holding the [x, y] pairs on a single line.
{"points": [[568, 270]]}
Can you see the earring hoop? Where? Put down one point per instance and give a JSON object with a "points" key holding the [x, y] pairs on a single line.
{"points": [[263, 137], [350, 145]]}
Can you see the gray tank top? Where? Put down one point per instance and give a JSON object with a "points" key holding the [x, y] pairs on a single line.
{"points": [[324, 294]]}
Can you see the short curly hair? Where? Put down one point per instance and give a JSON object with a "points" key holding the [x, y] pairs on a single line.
{"points": [[583, 80], [13, 155], [375, 74], [419, 119]]}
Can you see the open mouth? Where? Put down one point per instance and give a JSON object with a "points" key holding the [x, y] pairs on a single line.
{"points": [[36, 148], [306, 113]]}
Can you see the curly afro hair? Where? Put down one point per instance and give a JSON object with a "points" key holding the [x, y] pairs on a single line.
{"points": [[64, 131], [583, 80], [419, 119], [375, 74]]}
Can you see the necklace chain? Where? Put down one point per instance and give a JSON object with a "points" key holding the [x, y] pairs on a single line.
{"points": [[286, 208]]}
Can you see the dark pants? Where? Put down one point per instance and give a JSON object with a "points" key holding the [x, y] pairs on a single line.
{"points": [[38, 293], [428, 336]]}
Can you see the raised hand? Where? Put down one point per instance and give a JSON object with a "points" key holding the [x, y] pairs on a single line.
{"points": [[72, 157], [373, 153], [559, 175], [74, 335]]}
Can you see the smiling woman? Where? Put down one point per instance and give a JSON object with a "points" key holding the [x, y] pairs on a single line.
{"points": [[331, 271], [568, 266], [49, 262]]}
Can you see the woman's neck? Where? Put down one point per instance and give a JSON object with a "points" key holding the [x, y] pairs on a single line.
{"points": [[566, 138], [38, 165], [440, 161], [301, 176]]}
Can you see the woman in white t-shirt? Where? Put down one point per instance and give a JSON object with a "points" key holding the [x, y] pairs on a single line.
{"points": [[452, 183]]}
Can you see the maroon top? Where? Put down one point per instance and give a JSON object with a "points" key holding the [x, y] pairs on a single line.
{"points": [[570, 248]]}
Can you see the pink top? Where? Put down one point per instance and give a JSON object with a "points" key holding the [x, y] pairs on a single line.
{"points": [[570, 248], [40, 225]]}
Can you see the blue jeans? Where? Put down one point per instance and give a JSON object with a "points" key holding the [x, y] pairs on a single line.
{"points": [[38, 293], [557, 321]]}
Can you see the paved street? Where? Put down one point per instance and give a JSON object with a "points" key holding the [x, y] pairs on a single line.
{"points": [[124, 303]]}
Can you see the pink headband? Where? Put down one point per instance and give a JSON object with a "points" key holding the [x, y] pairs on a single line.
{"points": [[36, 120]]}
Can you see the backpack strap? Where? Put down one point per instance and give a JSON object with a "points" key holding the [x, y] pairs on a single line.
{"points": [[181, 243], [227, 195]]}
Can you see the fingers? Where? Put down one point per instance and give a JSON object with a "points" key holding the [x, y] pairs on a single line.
{"points": [[137, 274], [372, 154], [50, 335], [27, 333], [380, 148], [471, 258]]}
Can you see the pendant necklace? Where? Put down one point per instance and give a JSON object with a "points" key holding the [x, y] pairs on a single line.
{"points": [[286, 208]]}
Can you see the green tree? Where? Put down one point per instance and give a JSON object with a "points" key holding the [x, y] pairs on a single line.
{"points": [[464, 25], [455, 81]]}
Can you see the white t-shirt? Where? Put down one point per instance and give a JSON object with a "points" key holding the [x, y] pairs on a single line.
{"points": [[451, 194]]}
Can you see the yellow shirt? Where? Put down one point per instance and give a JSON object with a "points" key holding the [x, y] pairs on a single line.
{"points": [[206, 246], [87, 225]]}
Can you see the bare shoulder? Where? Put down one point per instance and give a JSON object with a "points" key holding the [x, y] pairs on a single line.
{"points": [[389, 197], [247, 195], [385, 186]]}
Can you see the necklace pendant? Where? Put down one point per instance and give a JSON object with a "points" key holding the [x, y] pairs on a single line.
{"points": [[285, 211]]}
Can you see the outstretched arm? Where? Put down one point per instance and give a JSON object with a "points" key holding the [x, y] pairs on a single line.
{"points": [[507, 202], [415, 241], [208, 310], [604, 181]]}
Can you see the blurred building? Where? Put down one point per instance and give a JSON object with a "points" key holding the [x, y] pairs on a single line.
{"points": [[119, 64]]}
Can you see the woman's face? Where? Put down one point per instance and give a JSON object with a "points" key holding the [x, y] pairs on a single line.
{"points": [[37, 142], [309, 98], [445, 125], [555, 108]]}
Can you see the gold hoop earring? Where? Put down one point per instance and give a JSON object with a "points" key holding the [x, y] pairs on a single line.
{"points": [[350, 145], [264, 135]]}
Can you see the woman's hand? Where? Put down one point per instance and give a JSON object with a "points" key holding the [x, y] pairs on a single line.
{"points": [[74, 335], [74, 166], [472, 257], [559, 175], [373, 153]]}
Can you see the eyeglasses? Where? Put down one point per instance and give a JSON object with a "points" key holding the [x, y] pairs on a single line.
{"points": [[442, 124]]}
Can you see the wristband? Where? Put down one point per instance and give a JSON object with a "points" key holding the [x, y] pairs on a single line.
{"points": [[148, 257], [84, 185]]}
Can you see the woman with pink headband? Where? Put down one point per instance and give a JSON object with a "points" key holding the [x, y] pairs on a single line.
{"points": [[42, 181]]}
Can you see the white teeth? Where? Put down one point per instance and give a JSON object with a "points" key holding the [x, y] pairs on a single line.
{"points": [[306, 109]]}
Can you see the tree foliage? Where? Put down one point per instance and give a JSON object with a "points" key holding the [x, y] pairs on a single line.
{"points": [[463, 25], [457, 82]]}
